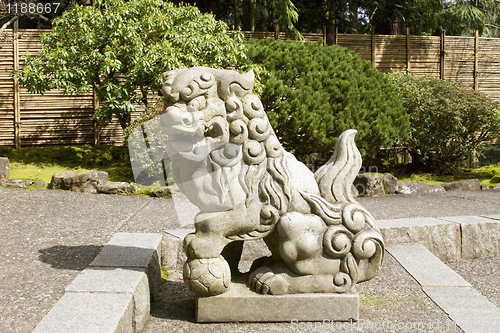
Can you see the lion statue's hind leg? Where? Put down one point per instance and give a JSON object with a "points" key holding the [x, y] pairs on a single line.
{"points": [[335, 246]]}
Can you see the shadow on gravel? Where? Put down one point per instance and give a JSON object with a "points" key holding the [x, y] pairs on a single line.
{"points": [[176, 302], [69, 257]]}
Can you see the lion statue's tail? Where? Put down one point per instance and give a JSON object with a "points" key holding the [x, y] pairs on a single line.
{"points": [[335, 178]]}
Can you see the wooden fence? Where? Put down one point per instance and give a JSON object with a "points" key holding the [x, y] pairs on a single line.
{"points": [[30, 120], [55, 119]]}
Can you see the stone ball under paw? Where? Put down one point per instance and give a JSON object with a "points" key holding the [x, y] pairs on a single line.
{"points": [[207, 277]]}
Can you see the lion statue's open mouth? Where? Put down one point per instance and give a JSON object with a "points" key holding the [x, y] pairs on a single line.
{"points": [[228, 161]]}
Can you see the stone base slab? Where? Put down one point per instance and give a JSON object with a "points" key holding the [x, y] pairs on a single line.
{"points": [[240, 304]]}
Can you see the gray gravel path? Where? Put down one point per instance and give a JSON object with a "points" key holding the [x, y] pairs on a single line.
{"points": [[47, 238], [482, 274]]}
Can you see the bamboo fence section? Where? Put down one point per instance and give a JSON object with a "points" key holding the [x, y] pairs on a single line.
{"points": [[28, 120]]}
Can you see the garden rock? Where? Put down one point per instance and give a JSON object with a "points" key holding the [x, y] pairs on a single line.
{"points": [[412, 188], [21, 183], [85, 182], [371, 184], [390, 183], [490, 187], [39, 184], [117, 188], [16, 183], [464, 185], [163, 193], [4, 167]]}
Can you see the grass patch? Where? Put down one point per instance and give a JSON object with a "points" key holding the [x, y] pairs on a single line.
{"points": [[42, 163], [488, 175], [164, 275]]}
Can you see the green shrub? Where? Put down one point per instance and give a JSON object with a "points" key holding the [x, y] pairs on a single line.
{"points": [[448, 121], [313, 93]]}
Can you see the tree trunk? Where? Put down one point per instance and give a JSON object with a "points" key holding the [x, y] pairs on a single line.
{"points": [[396, 24], [236, 15], [124, 120], [330, 35], [251, 14]]}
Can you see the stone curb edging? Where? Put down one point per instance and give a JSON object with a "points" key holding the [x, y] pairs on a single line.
{"points": [[465, 306], [114, 293], [448, 238]]}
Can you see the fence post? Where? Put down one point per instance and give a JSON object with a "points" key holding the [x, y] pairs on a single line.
{"points": [[324, 35], [372, 33], [408, 52], [476, 47], [276, 31], [336, 35], [96, 127], [442, 55], [17, 107]]}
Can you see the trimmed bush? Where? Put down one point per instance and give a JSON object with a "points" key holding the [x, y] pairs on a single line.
{"points": [[448, 121], [312, 93]]}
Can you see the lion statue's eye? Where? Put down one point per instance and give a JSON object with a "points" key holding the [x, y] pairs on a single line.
{"points": [[197, 104]]}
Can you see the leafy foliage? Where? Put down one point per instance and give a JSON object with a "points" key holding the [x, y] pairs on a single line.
{"points": [[313, 93], [121, 48], [448, 121], [462, 17], [258, 15]]}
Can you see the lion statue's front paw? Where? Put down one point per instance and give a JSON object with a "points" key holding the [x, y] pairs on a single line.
{"points": [[265, 281]]}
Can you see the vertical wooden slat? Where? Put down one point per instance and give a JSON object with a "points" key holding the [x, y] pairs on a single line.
{"points": [[442, 54], [95, 103], [336, 35], [324, 35], [372, 33], [17, 107], [276, 31], [476, 45], [408, 52]]}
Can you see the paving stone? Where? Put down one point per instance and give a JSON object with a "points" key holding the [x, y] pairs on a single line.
{"points": [[240, 304], [426, 268], [470, 310], [134, 250], [441, 237], [173, 250], [480, 236], [494, 216], [92, 313], [117, 280]]}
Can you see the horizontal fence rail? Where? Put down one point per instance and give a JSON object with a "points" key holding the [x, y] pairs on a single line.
{"points": [[53, 118]]}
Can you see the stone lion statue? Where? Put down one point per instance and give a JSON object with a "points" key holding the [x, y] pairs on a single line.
{"points": [[228, 161]]}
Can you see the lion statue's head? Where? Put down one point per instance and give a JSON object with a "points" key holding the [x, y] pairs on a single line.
{"points": [[224, 152]]}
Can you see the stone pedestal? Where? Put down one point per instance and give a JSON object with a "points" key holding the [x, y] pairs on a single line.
{"points": [[240, 304]]}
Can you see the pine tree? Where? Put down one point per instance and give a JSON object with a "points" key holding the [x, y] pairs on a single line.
{"points": [[313, 93]]}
